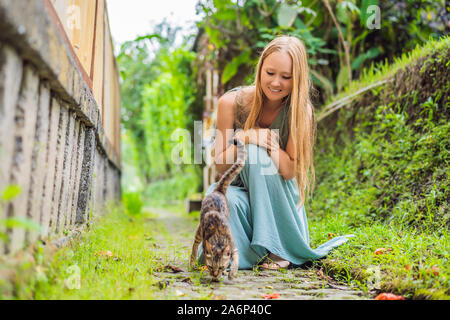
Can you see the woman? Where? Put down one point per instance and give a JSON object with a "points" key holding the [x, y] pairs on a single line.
{"points": [[267, 213]]}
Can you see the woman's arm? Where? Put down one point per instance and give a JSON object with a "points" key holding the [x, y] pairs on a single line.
{"points": [[284, 160], [225, 153]]}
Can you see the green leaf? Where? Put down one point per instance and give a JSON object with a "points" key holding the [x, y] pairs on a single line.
{"points": [[267, 36], [149, 37], [18, 222], [364, 14], [307, 11], [286, 15], [345, 10], [299, 24], [4, 237], [370, 54], [222, 4], [322, 81], [260, 44], [232, 67], [350, 6], [342, 78], [341, 14], [226, 14], [10, 192], [360, 37], [325, 50]]}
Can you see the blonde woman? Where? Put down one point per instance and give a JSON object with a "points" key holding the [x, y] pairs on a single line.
{"points": [[275, 119]]}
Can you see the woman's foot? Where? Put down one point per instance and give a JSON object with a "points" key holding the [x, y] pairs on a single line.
{"points": [[274, 262]]}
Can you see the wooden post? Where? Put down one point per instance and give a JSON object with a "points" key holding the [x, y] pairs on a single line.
{"points": [[83, 31], [209, 124], [98, 59]]}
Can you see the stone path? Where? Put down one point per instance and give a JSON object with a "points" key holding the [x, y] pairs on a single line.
{"points": [[175, 238]]}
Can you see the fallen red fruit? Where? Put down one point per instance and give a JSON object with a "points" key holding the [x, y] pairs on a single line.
{"points": [[106, 253], [388, 296], [435, 270], [271, 296], [379, 251]]}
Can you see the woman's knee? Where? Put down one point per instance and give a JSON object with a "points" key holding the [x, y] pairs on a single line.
{"points": [[257, 157], [237, 199]]}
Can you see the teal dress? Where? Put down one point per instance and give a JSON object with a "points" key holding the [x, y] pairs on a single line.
{"points": [[264, 215]]}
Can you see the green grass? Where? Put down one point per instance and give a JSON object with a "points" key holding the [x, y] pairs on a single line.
{"points": [[382, 173], [406, 269], [383, 70], [128, 276], [131, 273]]}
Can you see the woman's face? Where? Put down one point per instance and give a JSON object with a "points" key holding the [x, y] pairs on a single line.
{"points": [[276, 75]]}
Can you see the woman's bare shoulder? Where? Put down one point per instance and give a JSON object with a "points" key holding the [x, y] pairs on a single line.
{"points": [[228, 98], [225, 110], [236, 100], [246, 95]]}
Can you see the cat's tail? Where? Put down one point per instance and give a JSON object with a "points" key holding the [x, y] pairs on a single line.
{"points": [[234, 170]]}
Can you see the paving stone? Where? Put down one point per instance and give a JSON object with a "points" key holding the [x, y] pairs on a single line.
{"points": [[291, 284]]}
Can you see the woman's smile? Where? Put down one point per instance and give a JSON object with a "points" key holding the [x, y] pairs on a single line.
{"points": [[275, 90]]}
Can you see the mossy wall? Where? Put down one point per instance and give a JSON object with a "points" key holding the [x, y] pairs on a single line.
{"points": [[385, 155]]}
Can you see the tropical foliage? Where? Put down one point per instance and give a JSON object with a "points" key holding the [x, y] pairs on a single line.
{"points": [[382, 174], [342, 37], [163, 84], [158, 97]]}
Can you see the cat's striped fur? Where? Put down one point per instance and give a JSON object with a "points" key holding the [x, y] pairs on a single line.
{"points": [[214, 228]]}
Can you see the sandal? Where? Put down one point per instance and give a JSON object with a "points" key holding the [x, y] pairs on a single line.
{"points": [[275, 263]]}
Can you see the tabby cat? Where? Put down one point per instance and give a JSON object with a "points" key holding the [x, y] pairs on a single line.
{"points": [[214, 227]]}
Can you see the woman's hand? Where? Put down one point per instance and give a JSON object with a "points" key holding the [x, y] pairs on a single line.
{"points": [[265, 138]]}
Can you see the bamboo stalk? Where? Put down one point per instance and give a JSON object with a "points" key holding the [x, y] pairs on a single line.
{"points": [[332, 107]]}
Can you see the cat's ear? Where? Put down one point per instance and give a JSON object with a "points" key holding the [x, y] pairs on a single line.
{"points": [[227, 251]]}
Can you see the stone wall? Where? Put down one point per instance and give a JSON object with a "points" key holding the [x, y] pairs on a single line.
{"points": [[52, 143]]}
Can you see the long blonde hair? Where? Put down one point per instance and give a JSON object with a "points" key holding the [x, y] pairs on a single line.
{"points": [[302, 118]]}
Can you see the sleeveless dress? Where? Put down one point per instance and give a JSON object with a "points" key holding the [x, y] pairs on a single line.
{"points": [[264, 215]]}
